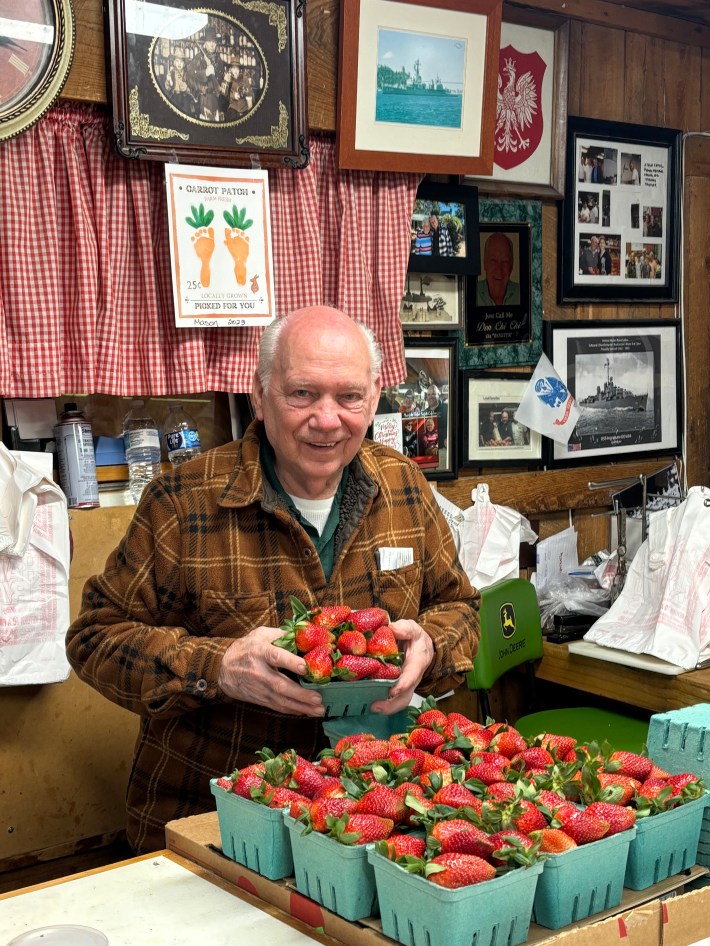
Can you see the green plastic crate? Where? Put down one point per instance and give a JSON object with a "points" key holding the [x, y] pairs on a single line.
{"points": [[665, 844], [416, 912], [253, 835], [583, 881], [587, 723], [679, 741], [338, 876]]}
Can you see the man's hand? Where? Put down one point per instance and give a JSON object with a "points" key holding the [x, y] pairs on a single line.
{"points": [[251, 672], [418, 655]]}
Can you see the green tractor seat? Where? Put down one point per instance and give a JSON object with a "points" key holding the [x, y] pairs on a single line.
{"points": [[511, 636]]}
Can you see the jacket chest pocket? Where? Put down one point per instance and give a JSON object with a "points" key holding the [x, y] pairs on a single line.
{"points": [[223, 615], [399, 591]]}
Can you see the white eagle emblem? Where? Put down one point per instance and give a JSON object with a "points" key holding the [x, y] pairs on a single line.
{"points": [[516, 106]]}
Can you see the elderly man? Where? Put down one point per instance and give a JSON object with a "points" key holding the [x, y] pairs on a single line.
{"points": [[497, 288], [180, 625], [589, 260], [441, 238]]}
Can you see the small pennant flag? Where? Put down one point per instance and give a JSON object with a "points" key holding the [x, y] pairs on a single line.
{"points": [[546, 405]]}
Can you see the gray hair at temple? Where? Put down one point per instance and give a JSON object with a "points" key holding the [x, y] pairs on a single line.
{"points": [[268, 346]]}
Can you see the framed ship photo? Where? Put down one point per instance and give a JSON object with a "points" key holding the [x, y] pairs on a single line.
{"points": [[625, 378]]}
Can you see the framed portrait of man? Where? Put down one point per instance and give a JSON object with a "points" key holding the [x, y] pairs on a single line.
{"points": [[500, 312]]}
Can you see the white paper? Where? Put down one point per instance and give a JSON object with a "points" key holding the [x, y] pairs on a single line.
{"points": [[393, 558], [387, 429], [556, 557], [34, 572], [220, 246]]}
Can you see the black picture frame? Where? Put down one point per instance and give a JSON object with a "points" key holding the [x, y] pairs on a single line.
{"points": [[625, 378], [404, 419], [240, 101], [457, 207], [629, 191], [486, 393], [505, 350]]}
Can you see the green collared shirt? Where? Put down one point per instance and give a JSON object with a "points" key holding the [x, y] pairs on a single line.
{"points": [[325, 541]]}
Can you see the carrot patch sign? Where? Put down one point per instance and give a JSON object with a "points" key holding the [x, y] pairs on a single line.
{"points": [[220, 246]]}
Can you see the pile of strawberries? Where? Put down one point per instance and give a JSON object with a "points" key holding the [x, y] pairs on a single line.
{"points": [[460, 802], [340, 644]]}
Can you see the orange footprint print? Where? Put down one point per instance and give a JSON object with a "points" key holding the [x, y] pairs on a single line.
{"points": [[203, 240], [237, 242]]}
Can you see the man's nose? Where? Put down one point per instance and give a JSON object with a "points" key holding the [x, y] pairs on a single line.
{"points": [[325, 413]]}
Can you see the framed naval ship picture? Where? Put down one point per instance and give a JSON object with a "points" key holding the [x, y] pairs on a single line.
{"points": [[625, 378]]}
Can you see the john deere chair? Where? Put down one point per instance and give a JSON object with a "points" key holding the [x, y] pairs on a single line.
{"points": [[511, 636]]}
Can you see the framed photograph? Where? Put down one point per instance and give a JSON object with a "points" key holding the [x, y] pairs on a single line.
{"points": [[620, 230], [432, 302], [444, 230], [503, 316], [490, 433], [625, 378], [417, 85], [418, 416], [209, 86], [531, 115]]}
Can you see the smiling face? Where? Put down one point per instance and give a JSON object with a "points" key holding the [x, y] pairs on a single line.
{"points": [[498, 264], [320, 401]]}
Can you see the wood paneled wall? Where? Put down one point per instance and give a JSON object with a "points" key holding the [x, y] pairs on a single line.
{"points": [[66, 744]]}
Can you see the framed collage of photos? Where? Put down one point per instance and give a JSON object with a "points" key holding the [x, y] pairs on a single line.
{"points": [[625, 378], [490, 433], [620, 223], [419, 416]]}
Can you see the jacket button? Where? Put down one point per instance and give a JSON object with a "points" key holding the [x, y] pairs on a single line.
{"points": [[307, 553], [201, 686]]}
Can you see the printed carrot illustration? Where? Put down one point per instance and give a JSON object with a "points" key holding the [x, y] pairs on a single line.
{"points": [[237, 242], [203, 239]]}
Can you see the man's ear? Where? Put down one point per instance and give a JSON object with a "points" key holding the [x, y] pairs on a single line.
{"points": [[257, 395]]}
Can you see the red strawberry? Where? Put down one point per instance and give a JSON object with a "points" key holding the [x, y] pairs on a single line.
{"points": [[250, 777], [306, 778], [383, 643], [461, 837], [455, 795], [434, 779], [657, 772], [620, 818], [454, 756], [352, 642], [310, 636], [368, 619], [432, 719], [356, 828], [501, 790], [319, 663], [560, 745], [321, 808], [531, 818], [279, 797], [652, 787], [507, 742], [553, 840], [401, 845], [619, 789], [426, 739], [458, 870], [387, 672], [685, 779], [403, 755], [583, 827], [487, 767], [463, 722], [479, 739], [383, 801], [633, 764], [226, 782], [535, 757], [365, 753], [330, 766], [507, 842], [331, 615], [352, 667], [346, 742], [331, 787]]}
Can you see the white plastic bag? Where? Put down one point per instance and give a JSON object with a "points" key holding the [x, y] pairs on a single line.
{"points": [[664, 606], [34, 575], [490, 537]]}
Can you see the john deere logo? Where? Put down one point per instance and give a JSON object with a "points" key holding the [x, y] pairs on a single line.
{"points": [[507, 620]]}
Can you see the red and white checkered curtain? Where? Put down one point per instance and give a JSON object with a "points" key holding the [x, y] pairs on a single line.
{"points": [[85, 284]]}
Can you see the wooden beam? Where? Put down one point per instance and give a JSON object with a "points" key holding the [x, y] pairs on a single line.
{"points": [[605, 13]]}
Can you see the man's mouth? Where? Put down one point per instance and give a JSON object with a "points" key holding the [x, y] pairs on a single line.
{"points": [[319, 446]]}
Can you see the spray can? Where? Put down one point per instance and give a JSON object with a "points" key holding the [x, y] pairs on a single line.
{"points": [[77, 464]]}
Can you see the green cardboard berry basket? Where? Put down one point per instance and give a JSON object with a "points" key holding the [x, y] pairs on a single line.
{"points": [[253, 835], [416, 912], [665, 844], [381, 727], [338, 876], [582, 881], [350, 697]]}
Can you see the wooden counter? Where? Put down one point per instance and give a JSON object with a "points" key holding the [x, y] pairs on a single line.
{"points": [[642, 688]]}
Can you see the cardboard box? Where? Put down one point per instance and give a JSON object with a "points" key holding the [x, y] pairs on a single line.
{"points": [[641, 919]]}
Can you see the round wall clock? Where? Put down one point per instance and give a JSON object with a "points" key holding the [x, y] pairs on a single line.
{"points": [[36, 49]]}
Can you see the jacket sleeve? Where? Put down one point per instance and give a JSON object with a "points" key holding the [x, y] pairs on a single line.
{"points": [[124, 642], [450, 605]]}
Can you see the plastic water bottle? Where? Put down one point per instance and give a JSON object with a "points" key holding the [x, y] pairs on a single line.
{"points": [[182, 438], [142, 444]]}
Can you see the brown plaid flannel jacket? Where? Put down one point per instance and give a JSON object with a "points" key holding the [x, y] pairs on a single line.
{"points": [[212, 553]]}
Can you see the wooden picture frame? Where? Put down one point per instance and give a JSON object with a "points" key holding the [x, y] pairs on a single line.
{"points": [[620, 219], [432, 302], [416, 419], [486, 398], [221, 86], [507, 335], [396, 110], [453, 210], [530, 135], [625, 376]]}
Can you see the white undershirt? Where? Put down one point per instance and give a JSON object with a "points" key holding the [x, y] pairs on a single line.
{"points": [[316, 511]]}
